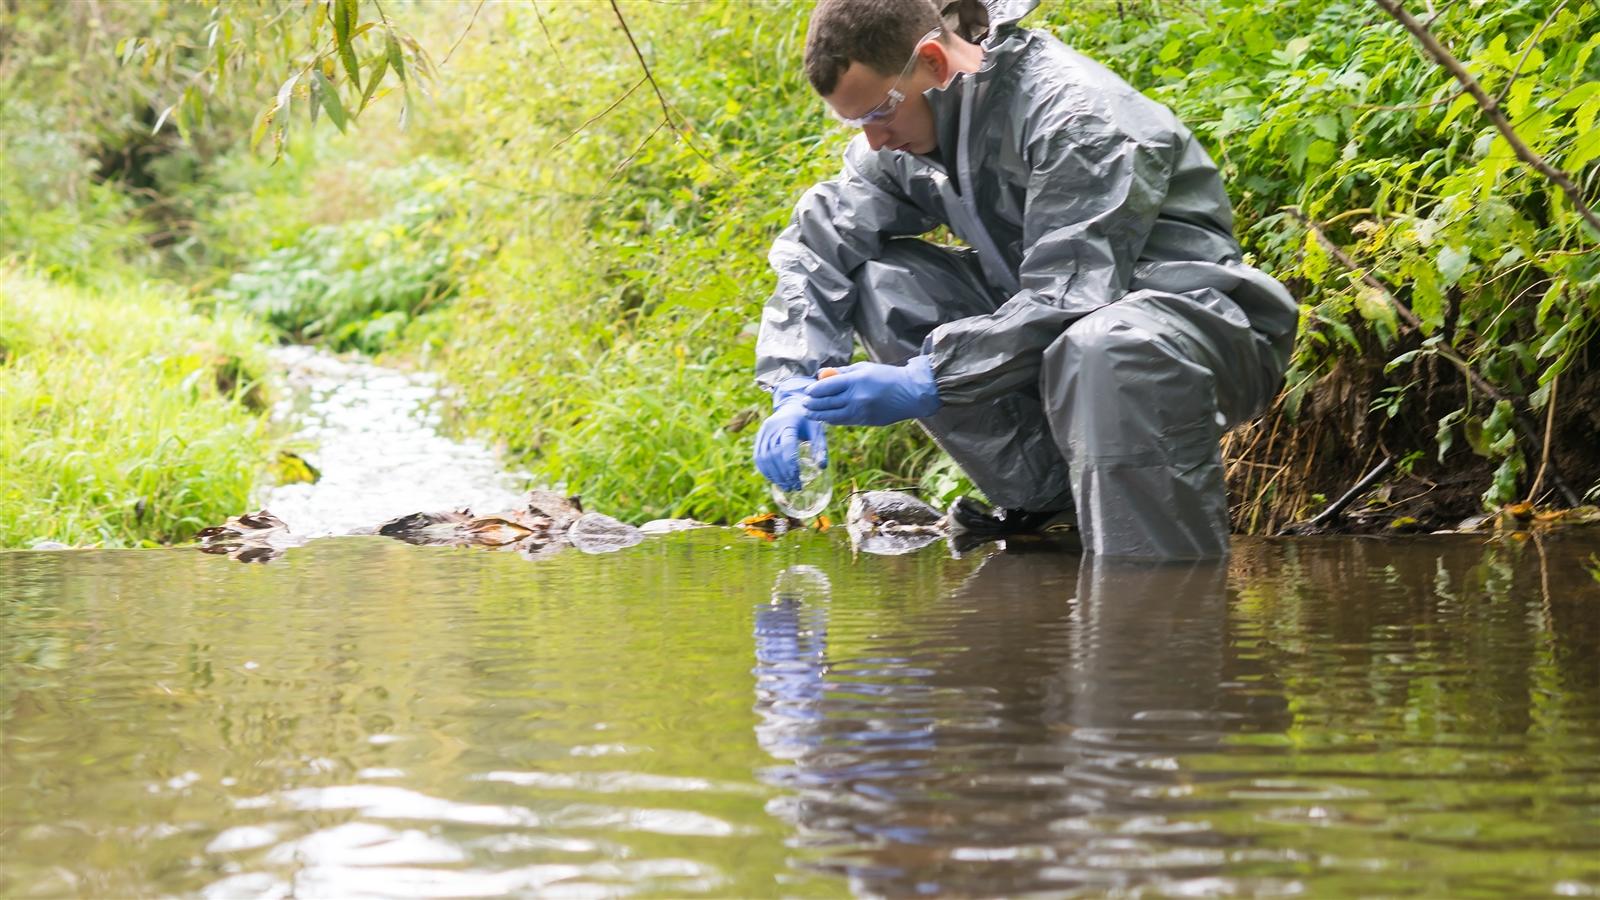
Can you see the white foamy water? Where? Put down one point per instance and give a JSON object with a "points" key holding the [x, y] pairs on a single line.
{"points": [[373, 432]]}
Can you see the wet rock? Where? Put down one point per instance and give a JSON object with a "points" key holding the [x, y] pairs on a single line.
{"points": [[260, 525], [560, 509], [428, 529], [542, 525], [508, 527], [891, 510], [892, 523], [599, 533], [252, 537]]}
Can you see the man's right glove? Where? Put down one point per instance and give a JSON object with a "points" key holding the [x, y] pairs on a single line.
{"points": [[777, 452], [869, 393]]}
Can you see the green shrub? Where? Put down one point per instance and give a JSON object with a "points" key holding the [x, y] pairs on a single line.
{"points": [[1332, 109], [52, 216], [354, 285], [126, 418]]}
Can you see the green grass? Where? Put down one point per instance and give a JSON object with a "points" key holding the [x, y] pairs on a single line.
{"points": [[125, 419]]}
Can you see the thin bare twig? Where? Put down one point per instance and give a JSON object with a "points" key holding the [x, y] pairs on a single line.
{"points": [[599, 115], [1367, 277], [546, 29], [451, 52], [622, 166], [1403, 106], [666, 108], [1491, 109], [1549, 431]]}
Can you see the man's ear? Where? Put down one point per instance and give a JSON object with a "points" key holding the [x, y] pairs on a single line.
{"points": [[937, 58]]}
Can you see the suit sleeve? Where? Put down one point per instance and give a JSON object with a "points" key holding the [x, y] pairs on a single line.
{"points": [[837, 226]]}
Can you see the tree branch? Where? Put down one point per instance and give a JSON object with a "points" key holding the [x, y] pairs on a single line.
{"points": [[1367, 278], [451, 52], [622, 166], [666, 108], [1491, 109], [1337, 506], [1532, 43], [1549, 433]]}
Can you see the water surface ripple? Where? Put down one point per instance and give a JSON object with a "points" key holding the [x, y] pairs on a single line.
{"points": [[709, 714]]}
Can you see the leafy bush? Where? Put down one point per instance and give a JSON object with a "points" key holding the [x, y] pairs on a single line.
{"points": [[355, 284], [52, 215], [1331, 111]]}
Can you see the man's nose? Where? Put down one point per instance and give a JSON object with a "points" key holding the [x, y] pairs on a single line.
{"points": [[877, 135]]}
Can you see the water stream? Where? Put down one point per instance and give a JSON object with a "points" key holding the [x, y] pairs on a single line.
{"points": [[373, 433], [712, 714]]}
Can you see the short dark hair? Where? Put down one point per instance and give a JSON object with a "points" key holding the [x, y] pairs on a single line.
{"points": [[880, 34]]}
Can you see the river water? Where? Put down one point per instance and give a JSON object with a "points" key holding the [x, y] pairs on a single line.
{"points": [[713, 714], [373, 434]]}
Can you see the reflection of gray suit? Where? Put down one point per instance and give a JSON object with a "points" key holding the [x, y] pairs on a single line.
{"points": [[993, 715]]}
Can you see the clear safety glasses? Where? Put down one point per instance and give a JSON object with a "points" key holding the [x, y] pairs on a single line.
{"points": [[885, 111]]}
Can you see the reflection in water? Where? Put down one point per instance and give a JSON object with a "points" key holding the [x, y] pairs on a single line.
{"points": [[1022, 735], [1350, 717]]}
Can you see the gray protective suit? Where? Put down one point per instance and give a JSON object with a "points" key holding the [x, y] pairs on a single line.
{"points": [[1099, 332]]}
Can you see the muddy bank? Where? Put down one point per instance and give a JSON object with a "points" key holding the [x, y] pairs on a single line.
{"points": [[1314, 447]]}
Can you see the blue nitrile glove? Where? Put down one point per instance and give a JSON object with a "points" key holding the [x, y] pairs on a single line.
{"points": [[870, 393], [777, 451]]}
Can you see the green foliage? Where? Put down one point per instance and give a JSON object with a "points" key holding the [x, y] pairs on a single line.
{"points": [[355, 284], [609, 335], [50, 216], [126, 416], [1332, 109], [317, 53]]}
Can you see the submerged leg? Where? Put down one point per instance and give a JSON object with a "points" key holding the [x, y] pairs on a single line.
{"points": [[1139, 393]]}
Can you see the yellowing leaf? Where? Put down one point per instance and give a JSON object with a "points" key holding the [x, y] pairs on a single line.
{"points": [[1375, 307]]}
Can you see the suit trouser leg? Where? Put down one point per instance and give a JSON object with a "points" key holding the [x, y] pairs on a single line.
{"points": [[1138, 394], [1004, 445]]}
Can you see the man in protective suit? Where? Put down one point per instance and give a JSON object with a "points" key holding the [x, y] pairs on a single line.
{"points": [[1088, 347]]}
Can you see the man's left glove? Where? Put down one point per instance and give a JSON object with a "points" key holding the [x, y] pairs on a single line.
{"points": [[777, 452], [874, 394]]}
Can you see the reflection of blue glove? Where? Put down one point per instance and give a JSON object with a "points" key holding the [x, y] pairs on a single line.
{"points": [[874, 394], [778, 442]]}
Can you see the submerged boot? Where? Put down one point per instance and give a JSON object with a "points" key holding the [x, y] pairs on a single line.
{"points": [[973, 519]]}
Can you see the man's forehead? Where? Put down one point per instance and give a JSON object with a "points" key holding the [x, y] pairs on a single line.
{"points": [[859, 89]]}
